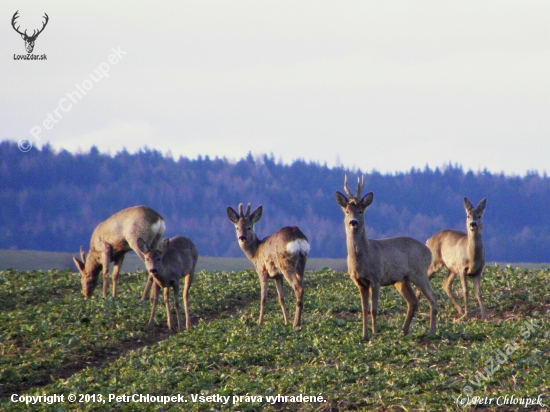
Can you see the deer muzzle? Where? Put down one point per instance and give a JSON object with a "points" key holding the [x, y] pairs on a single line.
{"points": [[473, 226], [242, 238], [354, 223]]}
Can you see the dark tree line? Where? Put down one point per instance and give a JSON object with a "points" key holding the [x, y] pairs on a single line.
{"points": [[53, 200]]}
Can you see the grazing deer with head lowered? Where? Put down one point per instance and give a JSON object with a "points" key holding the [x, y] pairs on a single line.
{"points": [[174, 259], [463, 254], [395, 261], [112, 239], [282, 254]]}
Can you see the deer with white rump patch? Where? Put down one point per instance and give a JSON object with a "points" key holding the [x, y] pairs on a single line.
{"points": [[282, 254], [112, 239], [174, 259], [463, 254], [395, 261]]}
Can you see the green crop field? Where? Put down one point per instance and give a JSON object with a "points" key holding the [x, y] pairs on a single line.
{"points": [[54, 344]]}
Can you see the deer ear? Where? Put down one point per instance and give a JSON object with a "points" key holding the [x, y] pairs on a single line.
{"points": [[256, 215], [341, 199], [142, 246], [481, 205], [467, 204], [163, 245], [232, 215], [367, 200]]}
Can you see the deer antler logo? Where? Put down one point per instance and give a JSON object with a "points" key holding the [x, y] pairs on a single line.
{"points": [[29, 40]]}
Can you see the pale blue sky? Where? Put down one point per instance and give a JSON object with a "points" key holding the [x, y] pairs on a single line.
{"points": [[375, 85]]}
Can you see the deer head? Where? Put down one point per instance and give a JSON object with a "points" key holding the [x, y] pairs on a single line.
{"points": [[153, 257], [29, 40], [355, 206], [89, 268], [474, 215], [244, 223]]}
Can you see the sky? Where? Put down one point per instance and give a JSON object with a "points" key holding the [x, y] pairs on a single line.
{"points": [[383, 86]]}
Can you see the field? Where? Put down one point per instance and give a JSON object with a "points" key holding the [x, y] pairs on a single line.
{"points": [[53, 342]]}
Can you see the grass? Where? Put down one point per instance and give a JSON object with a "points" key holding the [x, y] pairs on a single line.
{"points": [[55, 342]]}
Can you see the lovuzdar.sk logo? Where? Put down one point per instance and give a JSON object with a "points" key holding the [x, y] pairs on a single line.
{"points": [[29, 39]]}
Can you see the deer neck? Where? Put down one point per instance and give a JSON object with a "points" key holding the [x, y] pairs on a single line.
{"points": [[476, 252], [358, 246], [251, 249]]}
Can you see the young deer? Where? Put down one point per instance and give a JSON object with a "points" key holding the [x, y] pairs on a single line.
{"points": [[282, 254], [112, 239], [374, 263], [175, 258], [463, 254]]}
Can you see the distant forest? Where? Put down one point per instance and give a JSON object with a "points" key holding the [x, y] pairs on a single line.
{"points": [[52, 201]]}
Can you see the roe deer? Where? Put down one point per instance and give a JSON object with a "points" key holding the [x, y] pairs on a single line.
{"points": [[374, 263], [112, 239], [282, 254], [463, 254], [175, 258]]}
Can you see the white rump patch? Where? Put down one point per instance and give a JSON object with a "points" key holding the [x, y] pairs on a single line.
{"points": [[158, 227], [298, 246]]}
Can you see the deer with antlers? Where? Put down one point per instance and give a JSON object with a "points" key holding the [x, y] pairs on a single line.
{"points": [[112, 239], [29, 40], [463, 254], [397, 261], [282, 254]]}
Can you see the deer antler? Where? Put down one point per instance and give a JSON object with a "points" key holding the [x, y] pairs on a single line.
{"points": [[35, 33], [43, 25], [346, 188], [360, 186], [82, 254], [241, 212], [15, 16]]}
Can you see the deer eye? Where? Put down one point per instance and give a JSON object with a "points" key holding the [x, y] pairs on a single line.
{"points": [[248, 228], [158, 259]]}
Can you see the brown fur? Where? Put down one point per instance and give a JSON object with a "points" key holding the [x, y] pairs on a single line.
{"points": [[397, 261], [271, 258], [463, 254], [174, 259], [111, 240]]}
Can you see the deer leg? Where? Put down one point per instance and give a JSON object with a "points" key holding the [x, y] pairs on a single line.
{"points": [[186, 287], [147, 287], [145, 295], [155, 294], [263, 298], [296, 280], [280, 293], [432, 270], [427, 290], [177, 305], [464, 284], [105, 260], [167, 306], [477, 291], [448, 288], [364, 309], [404, 288], [375, 292], [116, 269]]}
